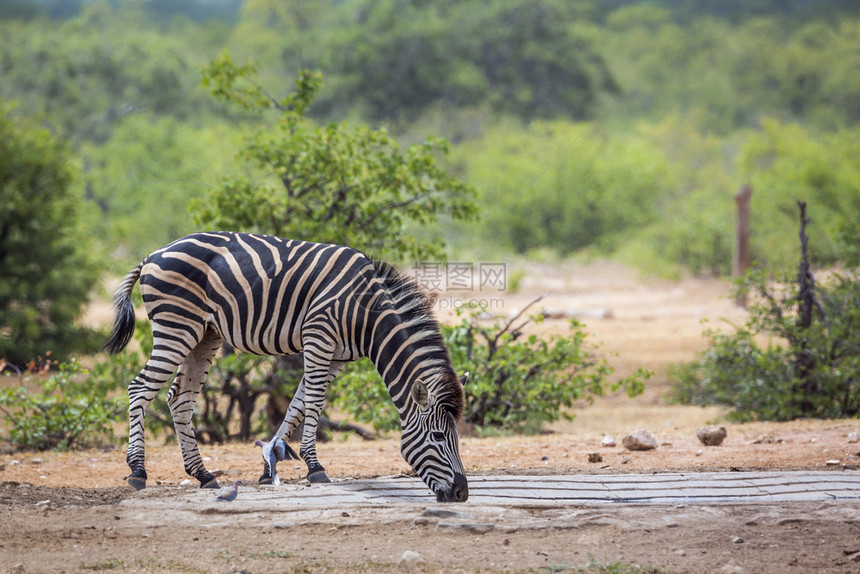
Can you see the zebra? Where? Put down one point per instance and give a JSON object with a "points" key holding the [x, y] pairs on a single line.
{"points": [[272, 296]]}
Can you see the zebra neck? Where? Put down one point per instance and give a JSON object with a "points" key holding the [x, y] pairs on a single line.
{"points": [[404, 351]]}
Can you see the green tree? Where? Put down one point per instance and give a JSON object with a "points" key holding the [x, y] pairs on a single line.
{"points": [[45, 274], [333, 183]]}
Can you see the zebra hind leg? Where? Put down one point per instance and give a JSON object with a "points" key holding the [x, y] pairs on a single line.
{"points": [[158, 369], [183, 394]]}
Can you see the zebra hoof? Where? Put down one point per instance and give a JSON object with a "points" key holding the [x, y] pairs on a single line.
{"points": [[211, 484], [138, 482], [318, 476], [265, 479]]}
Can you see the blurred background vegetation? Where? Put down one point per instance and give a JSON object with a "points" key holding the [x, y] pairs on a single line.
{"points": [[610, 128]]}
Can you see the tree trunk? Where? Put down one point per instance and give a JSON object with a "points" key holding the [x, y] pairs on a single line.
{"points": [[805, 361], [741, 257]]}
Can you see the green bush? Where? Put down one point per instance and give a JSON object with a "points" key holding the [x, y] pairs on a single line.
{"points": [[803, 372], [71, 410], [516, 382]]}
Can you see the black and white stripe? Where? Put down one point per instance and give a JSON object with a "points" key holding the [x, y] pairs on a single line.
{"points": [[273, 296]]}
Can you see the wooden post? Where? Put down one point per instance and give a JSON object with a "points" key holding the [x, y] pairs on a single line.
{"points": [[741, 255]]}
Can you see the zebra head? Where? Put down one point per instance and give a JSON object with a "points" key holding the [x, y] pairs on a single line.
{"points": [[430, 444]]}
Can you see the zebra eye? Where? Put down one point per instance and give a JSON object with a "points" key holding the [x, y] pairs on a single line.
{"points": [[437, 436]]}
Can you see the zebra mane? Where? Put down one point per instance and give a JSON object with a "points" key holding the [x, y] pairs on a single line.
{"points": [[416, 308]]}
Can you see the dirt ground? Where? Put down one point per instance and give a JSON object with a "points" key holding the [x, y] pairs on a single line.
{"points": [[71, 512]]}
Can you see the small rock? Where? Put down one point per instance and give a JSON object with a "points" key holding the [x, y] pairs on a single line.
{"points": [[445, 513], [699, 452], [506, 542], [854, 557], [35, 461], [344, 514], [279, 526], [853, 437], [832, 462], [17, 567], [625, 460], [711, 436], [594, 457], [472, 528], [185, 482], [411, 560], [639, 440], [544, 458], [680, 552], [2, 466], [607, 441], [737, 540], [14, 462], [731, 568]]}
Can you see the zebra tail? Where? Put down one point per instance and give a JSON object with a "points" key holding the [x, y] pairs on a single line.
{"points": [[123, 323]]}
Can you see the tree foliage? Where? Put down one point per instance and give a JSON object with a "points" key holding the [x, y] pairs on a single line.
{"points": [[332, 183], [45, 273]]}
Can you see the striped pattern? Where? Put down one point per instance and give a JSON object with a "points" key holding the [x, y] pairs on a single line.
{"points": [[273, 296]]}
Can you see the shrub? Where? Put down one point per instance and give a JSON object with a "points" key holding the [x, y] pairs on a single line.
{"points": [[516, 382], [71, 410], [809, 371]]}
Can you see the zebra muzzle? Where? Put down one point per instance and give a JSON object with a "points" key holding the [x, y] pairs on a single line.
{"points": [[458, 492]]}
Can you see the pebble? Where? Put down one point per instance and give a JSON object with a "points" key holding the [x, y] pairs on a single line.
{"points": [[737, 540], [472, 528], [832, 462], [445, 513], [411, 560], [853, 437], [595, 457], [639, 440], [699, 452], [711, 436], [680, 552], [36, 461], [14, 462], [607, 441]]}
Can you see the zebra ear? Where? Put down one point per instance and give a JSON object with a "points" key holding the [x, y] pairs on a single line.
{"points": [[464, 378], [420, 394]]}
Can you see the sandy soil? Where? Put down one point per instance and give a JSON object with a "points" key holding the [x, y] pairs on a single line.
{"points": [[69, 511]]}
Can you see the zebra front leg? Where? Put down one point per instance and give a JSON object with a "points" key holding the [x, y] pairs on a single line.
{"points": [[183, 394], [314, 399], [294, 417]]}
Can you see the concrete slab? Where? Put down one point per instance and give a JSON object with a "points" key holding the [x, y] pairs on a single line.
{"points": [[558, 491]]}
